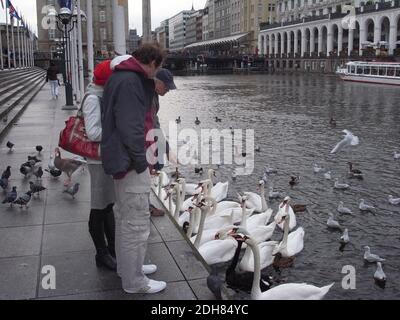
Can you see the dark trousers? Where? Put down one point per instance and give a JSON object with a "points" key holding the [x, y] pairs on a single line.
{"points": [[102, 229]]}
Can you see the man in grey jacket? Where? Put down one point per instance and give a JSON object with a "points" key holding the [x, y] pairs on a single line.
{"points": [[126, 119]]}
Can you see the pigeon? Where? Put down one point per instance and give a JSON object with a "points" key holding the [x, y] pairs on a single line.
{"points": [[394, 201], [38, 173], [368, 256], [379, 274], [197, 121], [349, 140], [10, 145], [73, 190], [232, 131], [342, 209], [25, 169], [36, 188], [24, 199], [340, 186], [178, 120], [7, 173], [396, 155], [4, 183], [11, 196], [33, 160], [198, 170], [317, 168], [68, 166], [55, 173], [39, 149], [344, 239], [218, 119], [328, 175], [258, 149], [332, 223], [364, 207]]}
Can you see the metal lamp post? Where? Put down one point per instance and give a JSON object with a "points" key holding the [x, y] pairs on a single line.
{"points": [[64, 17]]}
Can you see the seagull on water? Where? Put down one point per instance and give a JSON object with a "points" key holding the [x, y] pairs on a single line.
{"points": [[394, 201], [342, 209], [328, 175], [341, 186], [345, 239], [332, 223], [365, 207], [368, 256], [396, 155], [349, 140], [379, 275], [317, 168]]}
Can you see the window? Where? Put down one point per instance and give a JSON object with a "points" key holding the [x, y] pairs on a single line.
{"points": [[367, 70], [382, 71], [52, 34], [102, 2], [359, 70], [374, 71], [397, 72], [102, 16], [390, 72], [353, 69], [103, 33]]}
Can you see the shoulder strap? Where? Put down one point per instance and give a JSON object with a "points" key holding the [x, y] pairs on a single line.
{"points": [[80, 112]]}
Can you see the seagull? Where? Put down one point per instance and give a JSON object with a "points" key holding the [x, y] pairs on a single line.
{"points": [[332, 223], [342, 209], [396, 155], [328, 175], [340, 186], [349, 140], [368, 256], [317, 169], [269, 170], [274, 194], [394, 201], [364, 207], [379, 275], [345, 239]]}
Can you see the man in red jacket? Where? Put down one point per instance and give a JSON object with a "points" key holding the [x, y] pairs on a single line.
{"points": [[126, 118]]}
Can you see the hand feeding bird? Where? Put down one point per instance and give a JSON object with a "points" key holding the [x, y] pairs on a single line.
{"points": [[349, 140], [73, 190], [11, 196], [68, 166], [36, 188], [24, 199]]}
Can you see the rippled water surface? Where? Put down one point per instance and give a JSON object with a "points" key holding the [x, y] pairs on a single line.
{"points": [[290, 115]]}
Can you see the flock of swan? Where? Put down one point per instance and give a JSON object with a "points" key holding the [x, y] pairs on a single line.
{"points": [[219, 229]]}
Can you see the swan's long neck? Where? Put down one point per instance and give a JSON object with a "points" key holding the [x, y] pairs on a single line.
{"points": [[191, 221], [264, 205], [160, 182], [235, 260], [204, 213], [244, 216], [255, 290], [210, 176], [178, 201], [183, 191], [286, 229]]}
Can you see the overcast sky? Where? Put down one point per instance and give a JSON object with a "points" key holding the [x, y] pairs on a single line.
{"points": [[161, 10]]}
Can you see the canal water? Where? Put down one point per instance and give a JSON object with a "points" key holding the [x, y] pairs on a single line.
{"points": [[290, 115]]}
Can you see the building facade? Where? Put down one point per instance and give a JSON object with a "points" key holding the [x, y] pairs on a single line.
{"points": [[177, 30], [222, 18], [331, 29], [134, 40], [162, 34], [50, 38]]}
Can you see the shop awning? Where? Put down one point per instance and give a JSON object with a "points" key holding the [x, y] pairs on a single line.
{"points": [[225, 40]]}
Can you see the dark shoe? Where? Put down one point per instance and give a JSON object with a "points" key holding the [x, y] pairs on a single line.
{"points": [[104, 259], [154, 212]]}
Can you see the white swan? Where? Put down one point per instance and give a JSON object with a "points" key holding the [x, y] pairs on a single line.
{"points": [[266, 258], [292, 243], [286, 209], [289, 291], [190, 189], [220, 191], [258, 202]]}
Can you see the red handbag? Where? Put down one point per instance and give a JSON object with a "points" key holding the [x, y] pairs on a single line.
{"points": [[73, 137]]}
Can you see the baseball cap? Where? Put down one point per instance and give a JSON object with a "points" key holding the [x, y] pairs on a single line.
{"points": [[167, 77]]}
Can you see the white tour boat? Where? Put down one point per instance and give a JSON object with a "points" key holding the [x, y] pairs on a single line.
{"points": [[372, 72]]}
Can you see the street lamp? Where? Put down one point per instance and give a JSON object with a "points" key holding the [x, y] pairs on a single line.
{"points": [[64, 17]]}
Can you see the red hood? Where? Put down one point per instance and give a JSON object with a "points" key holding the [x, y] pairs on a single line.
{"points": [[125, 63]]}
